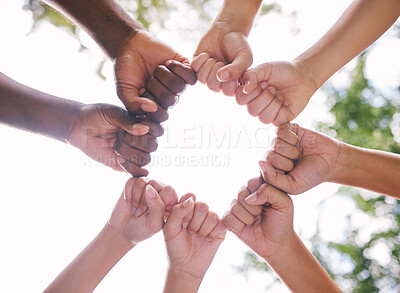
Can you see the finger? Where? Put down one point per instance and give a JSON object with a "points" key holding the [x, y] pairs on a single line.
{"points": [[142, 207], [170, 80], [164, 97], [279, 180], [132, 154], [254, 183], [135, 104], [169, 197], [252, 209], [269, 113], [199, 215], [242, 61], [241, 213], [286, 134], [188, 218], [267, 194], [187, 73], [284, 116], [284, 149], [161, 114], [229, 88], [212, 82], [244, 99], [279, 162], [145, 143], [256, 75], [122, 119], [155, 129], [137, 192], [157, 185], [156, 209], [256, 106], [205, 70], [131, 168], [210, 222], [199, 61], [218, 232], [128, 189], [174, 224], [232, 223]]}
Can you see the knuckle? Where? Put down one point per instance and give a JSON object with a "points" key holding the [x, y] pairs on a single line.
{"points": [[202, 207]]}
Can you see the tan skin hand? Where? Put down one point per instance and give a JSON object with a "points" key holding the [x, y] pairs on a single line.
{"points": [[134, 66]]}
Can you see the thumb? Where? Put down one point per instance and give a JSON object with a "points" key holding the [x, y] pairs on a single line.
{"points": [[269, 195], [156, 209], [134, 103], [175, 220], [120, 118], [254, 76], [279, 180], [235, 69]]}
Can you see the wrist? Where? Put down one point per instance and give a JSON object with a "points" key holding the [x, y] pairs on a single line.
{"points": [[238, 19], [284, 250], [74, 133], [117, 238], [181, 281], [344, 164]]}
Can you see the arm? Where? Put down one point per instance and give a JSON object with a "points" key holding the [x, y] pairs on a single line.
{"points": [[94, 129], [361, 24], [310, 158], [262, 217], [223, 53], [122, 232], [134, 52], [192, 236]]}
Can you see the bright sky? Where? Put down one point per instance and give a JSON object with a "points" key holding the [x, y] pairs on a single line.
{"points": [[54, 200]]}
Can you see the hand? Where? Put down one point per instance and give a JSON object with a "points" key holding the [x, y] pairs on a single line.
{"points": [[134, 228], [134, 67], [98, 127], [192, 236], [262, 217], [221, 57], [293, 88], [314, 161]]}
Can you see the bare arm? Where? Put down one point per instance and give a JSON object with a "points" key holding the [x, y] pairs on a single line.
{"points": [[361, 24]]}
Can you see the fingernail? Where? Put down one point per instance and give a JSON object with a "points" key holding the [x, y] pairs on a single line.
{"points": [[168, 63], [224, 75], [264, 85], [187, 202], [272, 91], [140, 129], [209, 239], [149, 107], [185, 224], [133, 210], [251, 198], [138, 212], [285, 103], [280, 98], [263, 166], [150, 192]]}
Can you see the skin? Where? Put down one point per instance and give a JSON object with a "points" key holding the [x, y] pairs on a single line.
{"points": [[104, 132], [223, 53], [122, 232], [262, 217], [296, 81], [192, 236], [319, 158], [135, 53]]}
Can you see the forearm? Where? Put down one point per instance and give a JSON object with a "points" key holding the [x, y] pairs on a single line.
{"points": [[361, 24], [28, 109], [370, 169], [299, 270], [177, 281], [86, 271], [104, 20], [239, 14]]}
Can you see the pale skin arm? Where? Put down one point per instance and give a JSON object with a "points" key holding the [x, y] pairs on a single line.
{"points": [[363, 22], [310, 158], [123, 231], [262, 217]]}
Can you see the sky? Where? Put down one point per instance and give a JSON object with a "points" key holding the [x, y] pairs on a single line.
{"points": [[54, 200]]}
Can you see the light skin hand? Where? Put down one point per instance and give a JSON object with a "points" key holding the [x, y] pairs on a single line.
{"points": [[192, 235], [315, 159], [292, 87], [114, 137]]}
